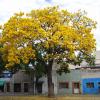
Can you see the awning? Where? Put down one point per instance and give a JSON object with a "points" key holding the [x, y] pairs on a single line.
{"points": [[2, 82]]}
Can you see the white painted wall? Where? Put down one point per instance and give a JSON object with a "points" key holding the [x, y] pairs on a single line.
{"points": [[97, 57]]}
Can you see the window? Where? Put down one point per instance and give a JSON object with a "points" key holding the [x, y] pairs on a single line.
{"points": [[76, 85], [90, 85], [63, 85], [99, 84], [17, 87]]}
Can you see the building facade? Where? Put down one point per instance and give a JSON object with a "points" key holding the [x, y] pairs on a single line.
{"points": [[18, 83], [81, 80]]}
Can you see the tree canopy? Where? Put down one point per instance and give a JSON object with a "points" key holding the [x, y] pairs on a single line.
{"points": [[56, 33]]}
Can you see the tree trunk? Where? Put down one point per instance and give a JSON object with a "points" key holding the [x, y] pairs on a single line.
{"points": [[49, 80]]}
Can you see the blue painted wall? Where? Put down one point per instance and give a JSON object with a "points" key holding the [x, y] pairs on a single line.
{"points": [[95, 90], [6, 74]]}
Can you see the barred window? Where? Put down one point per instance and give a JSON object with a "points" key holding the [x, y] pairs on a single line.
{"points": [[63, 85], [90, 85]]}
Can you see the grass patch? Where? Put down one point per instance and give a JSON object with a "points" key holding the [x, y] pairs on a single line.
{"points": [[69, 97]]}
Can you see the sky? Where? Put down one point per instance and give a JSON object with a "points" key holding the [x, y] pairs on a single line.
{"points": [[92, 7]]}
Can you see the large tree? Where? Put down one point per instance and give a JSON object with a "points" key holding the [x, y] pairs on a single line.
{"points": [[57, 35]]}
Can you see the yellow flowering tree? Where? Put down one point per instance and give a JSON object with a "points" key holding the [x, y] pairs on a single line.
{"points": [[17, 39], [57, 35]]}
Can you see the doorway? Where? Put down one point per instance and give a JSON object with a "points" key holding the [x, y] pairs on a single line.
{"points": [[76, 87], [39, 87], [1, 88], [26, 87], [8, 87], [98, 87], [2, 83]]}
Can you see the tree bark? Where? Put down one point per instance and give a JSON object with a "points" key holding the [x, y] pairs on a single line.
{"points": [[49, 80]]}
